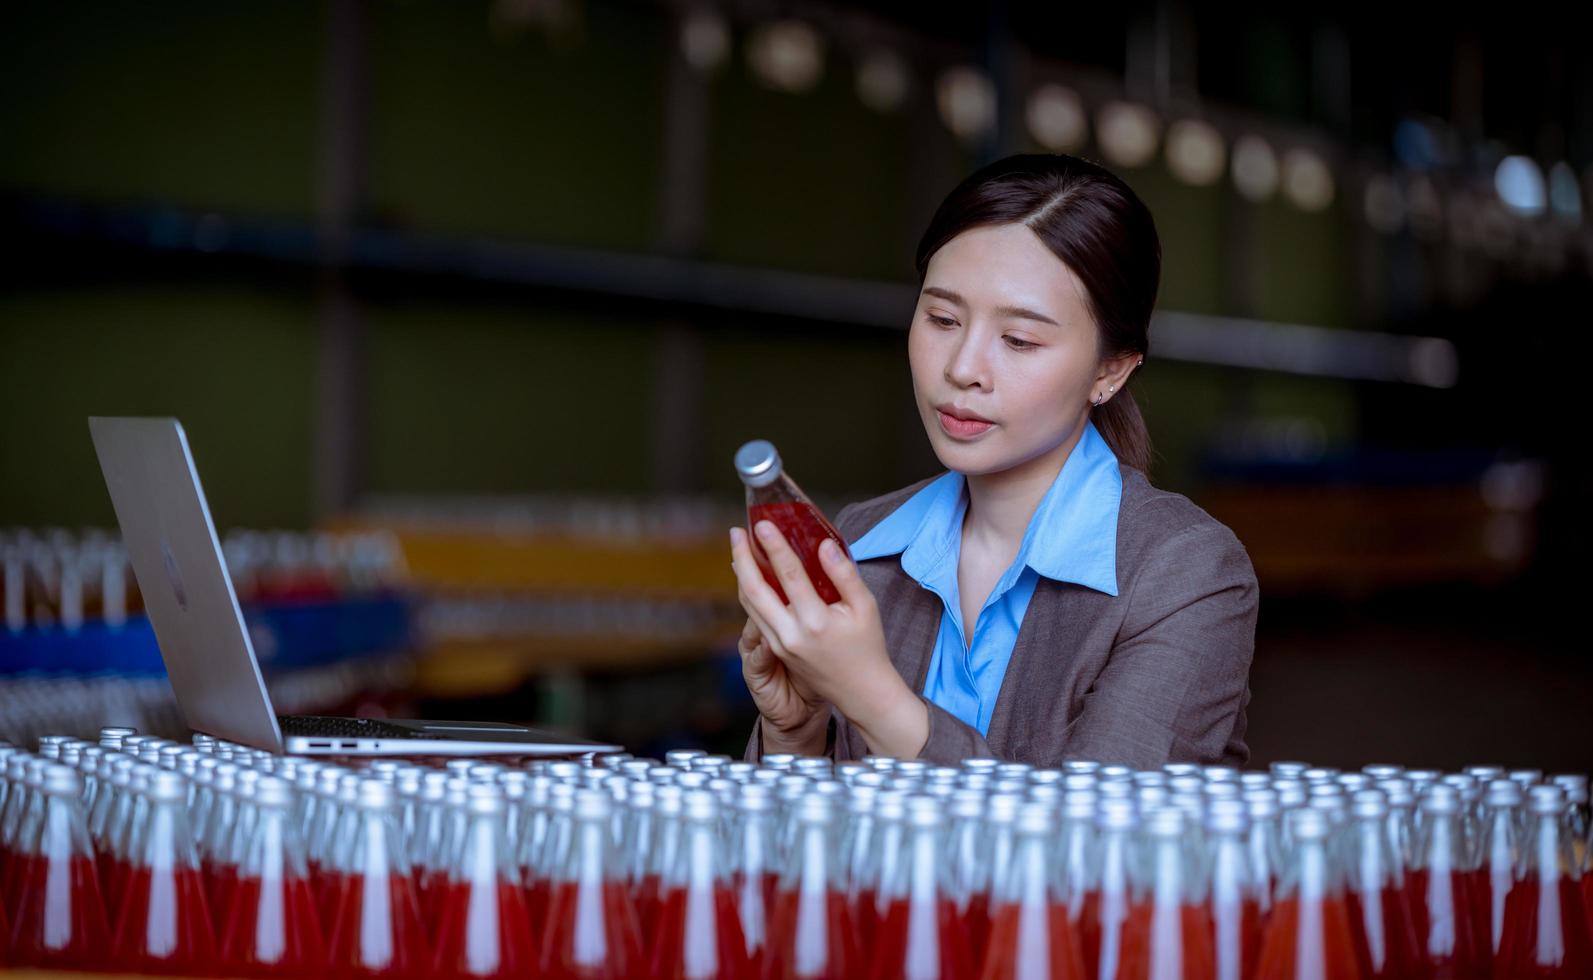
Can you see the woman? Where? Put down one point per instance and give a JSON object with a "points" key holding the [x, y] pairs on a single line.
{"points": [[1040, 601]]}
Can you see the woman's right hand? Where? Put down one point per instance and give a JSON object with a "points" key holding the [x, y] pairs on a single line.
{"points": [[788, 709]]}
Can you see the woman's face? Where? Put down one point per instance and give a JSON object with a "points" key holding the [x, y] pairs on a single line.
{"points": [[1004, 352]]}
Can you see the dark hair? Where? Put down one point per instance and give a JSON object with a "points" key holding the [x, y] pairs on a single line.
{"points": [[1101, 230]]}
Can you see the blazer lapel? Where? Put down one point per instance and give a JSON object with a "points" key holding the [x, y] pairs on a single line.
{"points": [[1042, 658]]}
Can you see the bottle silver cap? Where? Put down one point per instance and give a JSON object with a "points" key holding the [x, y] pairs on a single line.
{"points": [[758, 463]]}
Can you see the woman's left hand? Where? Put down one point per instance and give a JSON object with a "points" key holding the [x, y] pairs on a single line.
{"points": [[836, 650]]}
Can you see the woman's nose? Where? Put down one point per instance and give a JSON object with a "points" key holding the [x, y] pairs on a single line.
{"points": [[967, 367]]}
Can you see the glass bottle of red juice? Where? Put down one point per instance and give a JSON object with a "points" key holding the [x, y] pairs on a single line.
{"points": [[1308, 934], [483, 928], [754, 873], [1379, 906], [921, 935], [1499, 850], [1443, 884], [811, 936], [1233, 893], [272, 929], [1030, 935], [377, 930], [698, 932], [591, 931], [60, 918], [773, 496], [164, 925], [1545, 926]]}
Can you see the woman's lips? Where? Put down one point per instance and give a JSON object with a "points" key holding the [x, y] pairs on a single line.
{"points": [[962, 428]]}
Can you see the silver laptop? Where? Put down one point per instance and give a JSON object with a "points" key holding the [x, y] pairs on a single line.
{"points": [[188, 595]]}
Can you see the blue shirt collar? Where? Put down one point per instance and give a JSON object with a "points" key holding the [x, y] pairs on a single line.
{"points": [[1071, 538]]}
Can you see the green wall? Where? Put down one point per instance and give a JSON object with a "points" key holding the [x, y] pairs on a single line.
{"points": [[475, 130]]}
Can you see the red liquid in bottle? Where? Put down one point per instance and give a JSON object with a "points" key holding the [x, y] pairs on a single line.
{"points": [[164, 925], [591, 933], [681, 951], [921, 942], [1104, 921], [60, 921], [1587, 898], [538, 894], [272, 930], [754, 900], [1287, 954], [1237, 928], [1385, 936], [648, 900], [219, 886], [976, 925], [865, 914], [1029, 945], [821, 917], [1450, 937], [380, 936], [804, 528], [1545, 935], [329, 887], [12, 878], [1166, 944], [434, 886]]}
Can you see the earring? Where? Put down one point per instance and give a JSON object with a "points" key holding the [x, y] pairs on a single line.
{"points": [[1111, 387]]}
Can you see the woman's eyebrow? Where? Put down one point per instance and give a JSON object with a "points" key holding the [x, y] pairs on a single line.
{"points": [[1017, 312]]}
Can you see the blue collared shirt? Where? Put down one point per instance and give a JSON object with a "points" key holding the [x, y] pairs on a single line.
{"points": [[1071, 538]]}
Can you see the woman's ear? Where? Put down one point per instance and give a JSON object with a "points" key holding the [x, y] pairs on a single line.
{"points": [[1114, 374]]}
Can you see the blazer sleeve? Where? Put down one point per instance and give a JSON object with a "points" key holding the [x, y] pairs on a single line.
{"points": [[1176, 681]]}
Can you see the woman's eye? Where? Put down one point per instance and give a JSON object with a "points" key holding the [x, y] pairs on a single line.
{"points": [[1017, 344], [943, 321]]}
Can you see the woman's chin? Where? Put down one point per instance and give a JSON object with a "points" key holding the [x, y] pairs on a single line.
{"points": [[969, 460]]}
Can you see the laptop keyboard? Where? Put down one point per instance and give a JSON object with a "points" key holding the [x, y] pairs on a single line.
{"points": [[314, 726]]}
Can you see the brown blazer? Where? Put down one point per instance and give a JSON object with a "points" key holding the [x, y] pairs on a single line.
{"points": [[1157, 673]]}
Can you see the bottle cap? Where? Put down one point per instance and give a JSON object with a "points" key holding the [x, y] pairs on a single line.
{"points": [[1309, 824], [758, 463], [753, 798], [813, 808], [923, 811], [1167, 821], [1035, 818], [486, 798], [1546, 800], [167, 786], [592, 804], [1574, 784], [701, 805], [375, 794], [1369, 803], [1116, 814], [270, 791], [1227, 816], [60, 780], [1502, 793]]}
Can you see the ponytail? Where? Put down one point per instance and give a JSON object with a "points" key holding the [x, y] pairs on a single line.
{"points": [[1123, 429]]}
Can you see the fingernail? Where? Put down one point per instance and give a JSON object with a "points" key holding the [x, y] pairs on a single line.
{"points": [[765, 529], [827, 550], [733, 536]]}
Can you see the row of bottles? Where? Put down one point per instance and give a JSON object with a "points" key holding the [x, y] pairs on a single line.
{"points": [[141, 854], [58, 577]]}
